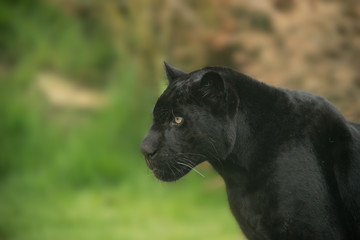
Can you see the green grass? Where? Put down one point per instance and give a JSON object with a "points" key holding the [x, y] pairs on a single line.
{"points": [[139, 208]]}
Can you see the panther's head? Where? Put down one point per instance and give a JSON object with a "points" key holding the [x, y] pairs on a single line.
{"points": [[191, 124]]}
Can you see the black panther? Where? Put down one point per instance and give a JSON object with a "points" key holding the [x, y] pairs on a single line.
{"points": [[289, 159]]}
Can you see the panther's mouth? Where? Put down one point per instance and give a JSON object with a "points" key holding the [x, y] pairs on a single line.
{"points": [[148, 163], [169, 170]]}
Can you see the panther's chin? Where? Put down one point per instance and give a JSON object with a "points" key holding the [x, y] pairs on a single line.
{"points": [[172, 176]]}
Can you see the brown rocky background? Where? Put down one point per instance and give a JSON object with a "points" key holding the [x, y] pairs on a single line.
{"points": [[311, 45]]}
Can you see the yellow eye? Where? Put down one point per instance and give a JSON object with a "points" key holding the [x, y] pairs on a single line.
{"points": [[178, 120]]}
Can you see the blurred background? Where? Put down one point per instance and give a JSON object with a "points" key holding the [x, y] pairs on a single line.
{"points": [[78, 81]]}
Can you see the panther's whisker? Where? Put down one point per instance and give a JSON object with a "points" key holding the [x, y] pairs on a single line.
{"points": [[169, 166], [193, 168], [214, 155]]}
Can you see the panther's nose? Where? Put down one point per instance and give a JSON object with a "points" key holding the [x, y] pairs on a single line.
{"points": [[147, 150], [148, 146]]}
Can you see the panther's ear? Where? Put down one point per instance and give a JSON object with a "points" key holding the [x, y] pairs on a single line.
{"points": [[212, 86], [173, 73]]}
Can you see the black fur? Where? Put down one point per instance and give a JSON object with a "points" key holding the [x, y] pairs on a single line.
{"points": [[289, 159]]}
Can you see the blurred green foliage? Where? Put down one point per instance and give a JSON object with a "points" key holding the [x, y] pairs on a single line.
{"points": [[39, 37], [70, 172]]}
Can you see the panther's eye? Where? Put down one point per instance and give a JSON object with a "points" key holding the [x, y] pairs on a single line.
{"points": [[178, 120]]}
